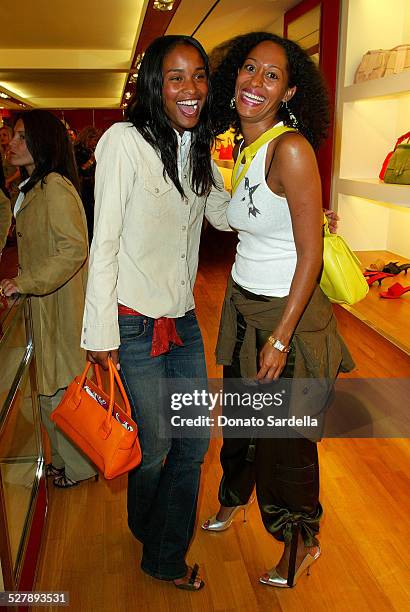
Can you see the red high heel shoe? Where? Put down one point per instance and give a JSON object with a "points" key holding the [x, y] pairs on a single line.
{"points": [[395, 291], [377, 277]]}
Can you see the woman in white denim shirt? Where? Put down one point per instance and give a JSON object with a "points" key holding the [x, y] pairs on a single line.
{"points": [[154, 182]]}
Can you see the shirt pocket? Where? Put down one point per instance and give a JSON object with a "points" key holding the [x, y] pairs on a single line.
{"points": [[158, 195]]}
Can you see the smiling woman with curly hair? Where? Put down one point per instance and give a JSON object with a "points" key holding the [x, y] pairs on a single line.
{"points": [[309, 104], [276, 321]]}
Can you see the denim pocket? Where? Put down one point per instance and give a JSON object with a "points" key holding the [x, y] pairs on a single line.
{"points": [[132, 327], [190, 315]]}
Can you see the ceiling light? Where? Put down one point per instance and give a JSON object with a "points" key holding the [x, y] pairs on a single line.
{"points": [[138, 61], [163, 5], [133, 77], [128, 95], [3, 95]]}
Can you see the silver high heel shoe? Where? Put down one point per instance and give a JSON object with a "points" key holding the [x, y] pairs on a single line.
{"points": [[212, 524], [277, 581]]}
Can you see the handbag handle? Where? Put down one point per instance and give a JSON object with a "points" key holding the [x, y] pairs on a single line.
{"points": [[401, 139], [117, 377], [400, 47], [248, 153], [97, 372], [113, 372]]}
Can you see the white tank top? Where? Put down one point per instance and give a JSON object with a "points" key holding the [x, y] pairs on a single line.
{"points": [[266, 255]]}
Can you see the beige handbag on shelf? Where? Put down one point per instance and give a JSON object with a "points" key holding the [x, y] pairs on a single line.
{"points": [[372, 65], [383, 62], [398, 60]]}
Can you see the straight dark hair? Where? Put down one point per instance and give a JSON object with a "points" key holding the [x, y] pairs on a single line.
{"points": [[146, 112], [49, 145]]}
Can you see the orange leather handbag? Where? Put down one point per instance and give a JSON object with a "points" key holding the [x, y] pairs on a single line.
{"points": [[97, 425]]}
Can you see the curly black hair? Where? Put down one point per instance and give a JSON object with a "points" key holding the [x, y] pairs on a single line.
{"points": [[310, 104]]}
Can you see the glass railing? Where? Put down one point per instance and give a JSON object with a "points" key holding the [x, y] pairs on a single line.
{"points": [[21, 455]]}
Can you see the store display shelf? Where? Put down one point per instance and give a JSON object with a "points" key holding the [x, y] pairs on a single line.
{"points": [[391, 86], [374, 189], [389, 318]]}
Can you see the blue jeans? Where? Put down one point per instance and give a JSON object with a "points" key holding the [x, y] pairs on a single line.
{"points": [[163, 490]]}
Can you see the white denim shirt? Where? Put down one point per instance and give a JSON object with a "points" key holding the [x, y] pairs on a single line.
{"points": [[144, 252]]}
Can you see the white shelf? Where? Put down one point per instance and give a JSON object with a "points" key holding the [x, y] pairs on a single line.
{"points": [[373, 189], [391, 86], [370, 116]]}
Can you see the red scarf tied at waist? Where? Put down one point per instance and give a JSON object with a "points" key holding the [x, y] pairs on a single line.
{"points": [[164, 333]]}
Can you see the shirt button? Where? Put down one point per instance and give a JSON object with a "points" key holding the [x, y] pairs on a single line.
{"points": [[156, 190], [184, 228], [182, 282], [19, 234], [183, 256]]}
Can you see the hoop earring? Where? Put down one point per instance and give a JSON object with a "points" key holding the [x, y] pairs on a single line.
{"points": [[292, 119], [232, 104]]}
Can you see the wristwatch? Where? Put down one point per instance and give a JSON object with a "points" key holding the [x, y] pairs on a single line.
{"points": [[277, 344]]}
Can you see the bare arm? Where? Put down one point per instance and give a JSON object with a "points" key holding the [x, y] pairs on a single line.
{"points": [[295, 173]]}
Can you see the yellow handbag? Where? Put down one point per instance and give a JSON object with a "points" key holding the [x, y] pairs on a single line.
{"points": [[342, 279]]}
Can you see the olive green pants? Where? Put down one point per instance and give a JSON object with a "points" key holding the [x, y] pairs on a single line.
{"points": [[284, 470]]}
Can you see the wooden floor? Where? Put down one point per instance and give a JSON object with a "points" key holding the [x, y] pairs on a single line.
{"points": [[390, 317], [89, 551]]}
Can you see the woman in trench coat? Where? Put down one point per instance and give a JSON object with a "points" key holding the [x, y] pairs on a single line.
{"points": [[53, 255], [5, 219]]}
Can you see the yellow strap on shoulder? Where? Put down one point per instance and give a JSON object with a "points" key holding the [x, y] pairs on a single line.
{"points": [[248, 153]]}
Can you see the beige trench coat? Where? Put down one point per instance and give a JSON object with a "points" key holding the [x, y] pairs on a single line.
{"points": [[52, 243], [5, 219]]}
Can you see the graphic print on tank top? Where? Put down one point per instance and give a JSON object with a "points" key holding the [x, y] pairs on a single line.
{"points": [[248, 198]]}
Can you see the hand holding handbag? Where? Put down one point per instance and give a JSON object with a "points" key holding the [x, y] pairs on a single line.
{"points": [[95, 423], [342, 279]]}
